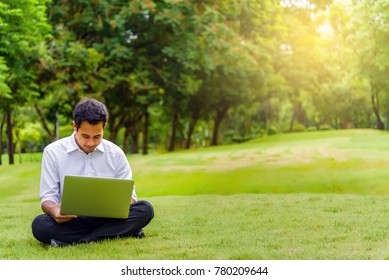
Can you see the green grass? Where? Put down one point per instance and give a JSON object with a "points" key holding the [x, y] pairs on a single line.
{"points": [[318, 195], [353, 161]]}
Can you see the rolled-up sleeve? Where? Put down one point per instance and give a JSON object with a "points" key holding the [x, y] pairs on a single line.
{"points": [[50, 181]]}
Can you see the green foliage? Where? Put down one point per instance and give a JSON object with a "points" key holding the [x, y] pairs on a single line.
{"points": [[23, 27], [4, 89], [325, 127], [231, 68], [298, 127]]}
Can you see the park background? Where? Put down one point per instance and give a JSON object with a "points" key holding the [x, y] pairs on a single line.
{"points": [[256, 128]]}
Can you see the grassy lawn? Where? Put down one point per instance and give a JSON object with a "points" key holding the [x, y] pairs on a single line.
{"points": [[316, 195]]}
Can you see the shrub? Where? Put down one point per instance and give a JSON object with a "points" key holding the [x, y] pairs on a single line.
{"points": [[325, 127], [298, 127], [271, 130]]}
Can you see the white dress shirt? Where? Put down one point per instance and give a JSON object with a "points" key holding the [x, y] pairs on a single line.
{"points": [[64, 157]]}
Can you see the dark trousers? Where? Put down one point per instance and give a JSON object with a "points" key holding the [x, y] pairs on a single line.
{"points": [[88, 229]]}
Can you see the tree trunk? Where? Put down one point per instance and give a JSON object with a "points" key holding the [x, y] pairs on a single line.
{"points": [[134, 139], [113, 136], [191, 128], [10, 144], [292, 121], [387, 121], [215, 133], [220, 114], [376, 108], [145, 140], [114, 125], [125, 141], [19, 145], [173, 129], [196, 113], [1, 138]]}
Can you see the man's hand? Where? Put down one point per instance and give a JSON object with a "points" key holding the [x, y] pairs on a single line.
{"points": [[53, 209]]}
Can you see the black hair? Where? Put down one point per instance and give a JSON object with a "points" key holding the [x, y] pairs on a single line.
{"points": [[91, 111]]}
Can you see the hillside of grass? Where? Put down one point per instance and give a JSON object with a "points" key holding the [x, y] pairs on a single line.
{"points": [[348, 161], [316, 195]]}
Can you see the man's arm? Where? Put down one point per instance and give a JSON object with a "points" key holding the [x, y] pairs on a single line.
{"points": [[124, 171], [51, 208]]}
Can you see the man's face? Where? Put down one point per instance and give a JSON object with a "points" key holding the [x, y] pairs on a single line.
{"points": [[88, 136]]}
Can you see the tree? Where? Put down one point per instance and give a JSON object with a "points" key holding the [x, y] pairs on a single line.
{"points": [[4, 94], [236, 60], [370, 18], [23, 28]]}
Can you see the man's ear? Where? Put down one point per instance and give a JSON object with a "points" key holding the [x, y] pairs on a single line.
{"points": [[74, 126]]}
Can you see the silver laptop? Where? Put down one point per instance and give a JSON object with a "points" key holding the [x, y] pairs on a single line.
{"points": [[96, 197]]}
